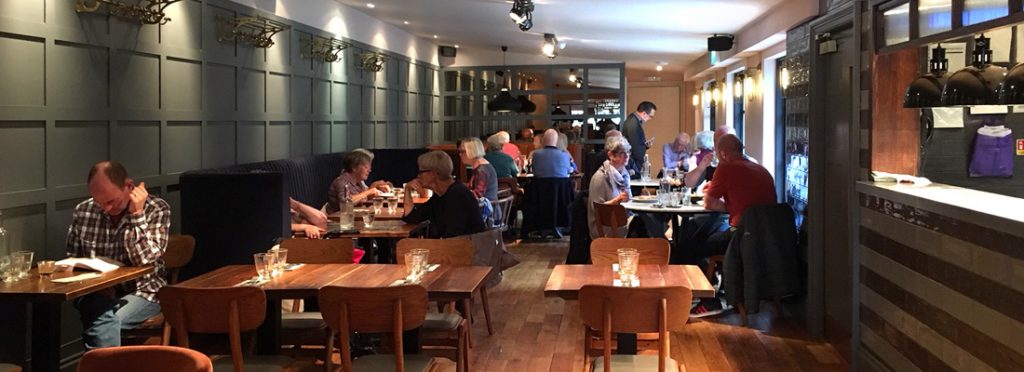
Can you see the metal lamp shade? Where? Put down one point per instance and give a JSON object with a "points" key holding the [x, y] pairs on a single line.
{"points": [[1011, 90], [504, 102], [973, 86], [558, 111], [527, 105], [925, 91]]}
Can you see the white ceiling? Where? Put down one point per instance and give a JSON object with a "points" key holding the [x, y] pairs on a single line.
{"points": [[638, 32]]}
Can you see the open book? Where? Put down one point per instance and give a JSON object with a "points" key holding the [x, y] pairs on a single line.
{"points": [[101, 264], [879, 176]]}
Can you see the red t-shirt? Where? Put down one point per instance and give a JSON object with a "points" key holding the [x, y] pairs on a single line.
{"points": [[512, 150], [743, 184]]}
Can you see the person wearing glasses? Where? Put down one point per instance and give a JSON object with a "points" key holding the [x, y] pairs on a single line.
{"points": [[452, 210], [633, 131], [610, 183]]}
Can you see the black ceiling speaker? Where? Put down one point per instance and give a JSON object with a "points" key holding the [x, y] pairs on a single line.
{"points": [[720, 42], [446, 51], [926, 90], [977, 84]]}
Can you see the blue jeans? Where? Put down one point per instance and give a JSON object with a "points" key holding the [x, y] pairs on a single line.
{"points": [[103, 317]]}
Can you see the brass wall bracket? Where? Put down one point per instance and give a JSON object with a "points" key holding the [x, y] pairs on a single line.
{"points": [[324, 49], [371, 61], [256, 31], [145, 11]]}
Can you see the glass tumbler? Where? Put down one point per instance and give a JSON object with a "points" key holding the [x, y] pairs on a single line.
{"points": [[23, 262], [413, 265], [378, 205], [264, 265], [46, 267], [368, 220], [392, 205], [628, 260], [6, 268]]}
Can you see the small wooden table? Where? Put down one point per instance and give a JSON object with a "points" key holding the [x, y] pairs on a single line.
{"points": [[446, 283], [47, 297], [566, 280]]}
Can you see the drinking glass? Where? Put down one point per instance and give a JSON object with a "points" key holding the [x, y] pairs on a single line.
{"points": [[392, 205], [414, 265], [23, 262], [264, 265], [346, 221], [424, 258], [628, 259], [6, 269], [280, 261], [378, 204], [46, 267], [368, 220], [685, 198]]}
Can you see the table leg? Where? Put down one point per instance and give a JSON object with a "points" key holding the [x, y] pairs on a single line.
{"points": [[626, 343], [46, 336], [268, 339], [411, 341]]}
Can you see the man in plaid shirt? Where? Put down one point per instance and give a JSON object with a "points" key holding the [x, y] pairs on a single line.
{"points": [[123, 222]]}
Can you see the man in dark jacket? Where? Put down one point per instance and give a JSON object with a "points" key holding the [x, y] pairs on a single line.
{"points": [[633, 130]]}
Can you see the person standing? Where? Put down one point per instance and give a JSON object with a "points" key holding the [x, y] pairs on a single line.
{"points": [[633, 131], [123, 222]]}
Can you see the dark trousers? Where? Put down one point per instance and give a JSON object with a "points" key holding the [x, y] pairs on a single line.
{"points": [[701, 237]]}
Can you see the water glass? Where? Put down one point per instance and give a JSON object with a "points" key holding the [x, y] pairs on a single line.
{"points": [[368, 220], [264, 265], [280, 261], [23, 262], [346, 220], [46, 267], [378, 204], [424, 258], [685, 196], [628, 260], [414, 265], [672, 199], [392, 205], [6, 269]]}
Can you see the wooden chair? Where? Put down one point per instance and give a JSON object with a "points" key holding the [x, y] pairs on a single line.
{"points": [[612, 216], [374, 310], [4, 367], [505, 207], [446, 329], [308, 328], [178, 254], [634, 310], [155, 359], [653, 251], [230, 310]]}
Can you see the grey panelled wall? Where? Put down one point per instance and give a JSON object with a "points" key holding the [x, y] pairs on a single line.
{"points": [[79, 88]]}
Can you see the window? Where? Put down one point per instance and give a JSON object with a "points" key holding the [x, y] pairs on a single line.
{"points": [[738, 96]]}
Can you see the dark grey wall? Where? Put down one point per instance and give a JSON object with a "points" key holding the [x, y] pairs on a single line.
{"points": [[79, 88], [945, 158]]}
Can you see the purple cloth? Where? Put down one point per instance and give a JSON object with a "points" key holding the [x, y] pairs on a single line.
{"points": [[993, 156]]}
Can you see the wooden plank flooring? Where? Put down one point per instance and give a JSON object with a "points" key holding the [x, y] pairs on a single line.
{"points": [[534, 333]]}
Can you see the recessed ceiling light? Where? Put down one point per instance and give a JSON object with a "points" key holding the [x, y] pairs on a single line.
{"points": [[405, 22], [370, 5], [658, 68], [435, 36], [456, 45]]}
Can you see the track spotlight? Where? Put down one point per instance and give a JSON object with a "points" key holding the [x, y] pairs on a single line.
{"points": [[572, 75], [550, 48], [522, 14]]}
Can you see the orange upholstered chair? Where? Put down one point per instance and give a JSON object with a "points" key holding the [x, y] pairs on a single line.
{"points": [[152, 358]]}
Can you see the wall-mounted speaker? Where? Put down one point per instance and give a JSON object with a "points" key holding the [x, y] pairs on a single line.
{"points": [[719, 43], [446, 51]]}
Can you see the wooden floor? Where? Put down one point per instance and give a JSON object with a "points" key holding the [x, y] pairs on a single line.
{"points": [[534, 333]]}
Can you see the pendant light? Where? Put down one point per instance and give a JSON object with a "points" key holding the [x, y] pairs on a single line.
{"points": [[1011, 90], [977, 84], [504, 102], [527, 105], [558, 110], [926, 90]]}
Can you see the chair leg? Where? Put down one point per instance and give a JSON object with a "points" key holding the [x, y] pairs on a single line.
{"points": [[329, 349], [742, 310], [468, 316], [165, 339], [487, 310]]}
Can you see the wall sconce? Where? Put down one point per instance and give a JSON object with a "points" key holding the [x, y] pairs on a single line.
{"points": [[696, 98], [716, 95], [371, 61], [737, 88], [146, 11], [750, 82], [784, 78], [256, 31], [324, 49]]}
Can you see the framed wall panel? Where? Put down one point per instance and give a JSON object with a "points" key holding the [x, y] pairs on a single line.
{"points": [[181, 82], [24, 11], [73, 148], [185, 31], [251, 92], [302, 138], [27, 170], [80, 79], [218, 144], [180, 141], [278, 140], [219, 93], [26, 71], [322, 137], [137, 80], [252, 137], [137, 145]]}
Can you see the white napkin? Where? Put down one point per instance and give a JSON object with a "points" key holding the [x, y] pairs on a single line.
{"points": [[79, 277], [618, 283]]}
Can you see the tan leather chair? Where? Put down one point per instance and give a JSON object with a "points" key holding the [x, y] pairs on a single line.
{"points": [[653, 251], [155, 358], [611, 216], [634, 310]]}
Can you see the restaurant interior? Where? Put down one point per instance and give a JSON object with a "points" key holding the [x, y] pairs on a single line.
{"points": [[520, 185]]}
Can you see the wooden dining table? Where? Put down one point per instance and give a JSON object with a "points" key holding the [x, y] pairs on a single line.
{"points": [[445, 283], [566, 280], [46, 299]]}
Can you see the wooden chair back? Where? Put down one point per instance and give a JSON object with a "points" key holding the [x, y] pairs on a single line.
{"points": [[635, 310], [230, 310], [319, 251], [505, 207], [455, 252], [371, 310], [653, 251], [156, 359], [612, 216], [178, 253]]}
